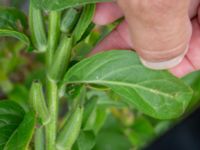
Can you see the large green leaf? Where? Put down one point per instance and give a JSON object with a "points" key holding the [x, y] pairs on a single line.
{"points": [[156, 93], [62, 4], [16, 127]]}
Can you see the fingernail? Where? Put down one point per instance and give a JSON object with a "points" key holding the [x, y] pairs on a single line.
{"points": [[164, 64]]}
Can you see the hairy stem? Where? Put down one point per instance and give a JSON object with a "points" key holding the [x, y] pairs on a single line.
{"points": [[39, 139], [51, 85], [52, 100]]}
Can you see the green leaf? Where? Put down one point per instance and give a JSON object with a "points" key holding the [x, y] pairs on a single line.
{"points": [[106, 100], [111, 136], [15, 34], [11, 17], [19, 94], [112, 140], [23, 134], [141, 133], [16, 127], [81, 50], [95, 113], [100, 119], [155, 93], [12, 22], [162, 127], [85, 141], [62, 4], [90, 108], [193, 80]]}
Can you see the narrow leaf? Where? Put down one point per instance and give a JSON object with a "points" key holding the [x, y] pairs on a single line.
{"points": [[84, 21]]}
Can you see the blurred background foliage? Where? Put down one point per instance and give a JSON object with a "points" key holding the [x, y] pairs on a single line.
{"points": [[118, 127]]}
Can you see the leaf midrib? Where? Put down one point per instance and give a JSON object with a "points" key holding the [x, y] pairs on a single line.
{"points": [[132, 85]]}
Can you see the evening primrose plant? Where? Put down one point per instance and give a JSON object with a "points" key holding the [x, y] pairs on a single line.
{"points": [[108, 101]]}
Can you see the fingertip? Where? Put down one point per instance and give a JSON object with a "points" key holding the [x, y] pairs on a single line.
{"points": [[184, 68], [191, 61], [106, 13], [98, 18]]}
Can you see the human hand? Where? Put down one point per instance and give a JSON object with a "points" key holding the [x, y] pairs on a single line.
{"points": [[157, 32]]}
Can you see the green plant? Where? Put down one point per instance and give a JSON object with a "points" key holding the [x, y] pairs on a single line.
{"points": [[113, 102]]}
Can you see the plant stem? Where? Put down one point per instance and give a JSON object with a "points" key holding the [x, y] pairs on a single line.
{"points": [[52, 100], [53, 37], [39, 139], [51, 85]]}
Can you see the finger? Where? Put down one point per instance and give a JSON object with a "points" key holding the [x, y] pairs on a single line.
{"points": [[192, 60], [199, 15], [194, 4], [117, 39], [194, 54], [161, 32], [183, 68], [107, 13]]}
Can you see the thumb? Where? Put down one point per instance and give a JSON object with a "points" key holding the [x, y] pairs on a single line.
{"points": [[160, 30]]}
